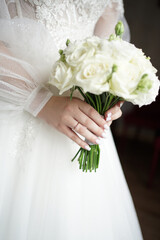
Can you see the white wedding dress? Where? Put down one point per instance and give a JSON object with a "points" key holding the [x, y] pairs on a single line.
{"points": [[43, 195]]}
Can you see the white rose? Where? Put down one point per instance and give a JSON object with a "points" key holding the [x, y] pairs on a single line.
{"points": [[93, 41], [132, 64], [92, 75], [124, 81], [131, 88], [61, 76], [78, 51]]}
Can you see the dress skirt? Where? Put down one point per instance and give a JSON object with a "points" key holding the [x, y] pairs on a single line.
{"points": [[45, 196]]}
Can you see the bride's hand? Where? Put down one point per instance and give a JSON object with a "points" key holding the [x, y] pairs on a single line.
{"points": [[76, 116]]}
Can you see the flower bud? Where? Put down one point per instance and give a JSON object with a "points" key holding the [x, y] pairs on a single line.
{"points": [[62, 55], [112, 37], [63, 58], [114, 68], [67, 42], [119, 29], [145, 84], [60, 51]]}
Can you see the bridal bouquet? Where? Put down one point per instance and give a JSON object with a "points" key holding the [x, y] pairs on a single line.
{"points": [[104, 72]]}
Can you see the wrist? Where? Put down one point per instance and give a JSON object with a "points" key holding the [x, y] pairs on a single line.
{"points": [[47, 108]]}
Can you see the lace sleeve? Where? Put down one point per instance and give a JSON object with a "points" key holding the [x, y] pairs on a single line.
{"points": [[111, 15], [23, 67]]}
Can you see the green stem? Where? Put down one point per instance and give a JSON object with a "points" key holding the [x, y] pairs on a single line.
{"points": [[76, 155], [100, 103], [108, 103], [91, 158], [95, 157], [105, 105], [83, 95], [87, 160], [81, 158], [113, 103], [98, 155], [91, 100], [84, 161], [97, 104]]}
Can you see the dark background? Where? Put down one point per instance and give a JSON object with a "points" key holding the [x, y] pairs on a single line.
{"points": [[137, 133]]}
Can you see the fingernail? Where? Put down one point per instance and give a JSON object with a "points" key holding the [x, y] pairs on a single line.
{"points": [[106, 131], [98, 141], [121, 104], [87, 148], [106, 127], [104, 135], [108, 119], [109, 116]]}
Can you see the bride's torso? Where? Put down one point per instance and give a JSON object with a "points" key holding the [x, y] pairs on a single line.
{"points": [[73, 19], [39, 28]]}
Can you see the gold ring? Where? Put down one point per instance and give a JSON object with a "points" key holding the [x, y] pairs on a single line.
{"points": [[75, 126]]}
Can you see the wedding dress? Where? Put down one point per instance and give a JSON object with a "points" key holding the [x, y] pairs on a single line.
{"points": [[43, 195]]}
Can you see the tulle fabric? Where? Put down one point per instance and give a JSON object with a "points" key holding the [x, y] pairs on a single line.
{"points": [[43, 195], [25, 65]]}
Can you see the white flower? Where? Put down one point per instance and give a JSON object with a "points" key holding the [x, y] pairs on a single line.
{"points": [[98, 65], [124, 81], [147, 90], [61, 77], [78, 51], [132, 64], [93, 73]]}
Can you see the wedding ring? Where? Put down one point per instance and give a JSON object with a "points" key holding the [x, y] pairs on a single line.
{"points": [[75, 126]]}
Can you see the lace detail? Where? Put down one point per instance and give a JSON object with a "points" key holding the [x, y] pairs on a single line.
{"points": [[73, 19], [23, 140]]}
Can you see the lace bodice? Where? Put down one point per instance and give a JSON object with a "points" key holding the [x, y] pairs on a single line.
{"points": [[36, 29], [74, 19]]}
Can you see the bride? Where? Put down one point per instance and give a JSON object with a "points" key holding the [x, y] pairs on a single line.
{"points": [[43, 196]]}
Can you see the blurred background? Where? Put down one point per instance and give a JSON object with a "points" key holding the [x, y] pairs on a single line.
{"points": [[137, 133]]}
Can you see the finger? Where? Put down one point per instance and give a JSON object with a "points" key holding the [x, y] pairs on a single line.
{"points": [[109, 123], [83, 131], [111, 112], [90, 124], [120, 103], [92, 114], [117, 115], [76, 126], [114, 117], [73, 136]]}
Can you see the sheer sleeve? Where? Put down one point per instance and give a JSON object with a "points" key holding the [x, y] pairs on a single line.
{"points": [[24, 67], [111, 15]]}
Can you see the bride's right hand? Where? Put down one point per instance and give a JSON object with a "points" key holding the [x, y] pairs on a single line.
{"points": [[71, 116]]}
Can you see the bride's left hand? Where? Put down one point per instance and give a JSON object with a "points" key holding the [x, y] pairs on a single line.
{"points": [[113, 113]]}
